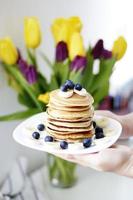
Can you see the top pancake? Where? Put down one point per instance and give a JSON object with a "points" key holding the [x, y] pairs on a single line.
{"points": [[74, 100]]}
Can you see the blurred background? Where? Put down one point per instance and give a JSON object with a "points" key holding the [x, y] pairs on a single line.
{"points": [[105, 19]]}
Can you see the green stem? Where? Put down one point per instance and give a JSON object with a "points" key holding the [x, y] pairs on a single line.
{"points": [[63, 174], [46, 60], [19, 115], [31, 58], [21, 80]]}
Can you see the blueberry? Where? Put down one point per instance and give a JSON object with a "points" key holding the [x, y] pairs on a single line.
{"points": [[64, 88], [99, 135], [63, 144], [40, 127], [36, 135], [78, 87], [49, 138], [99, 132], [70, 84], [94, 124], [98, 129], [87, 142]]}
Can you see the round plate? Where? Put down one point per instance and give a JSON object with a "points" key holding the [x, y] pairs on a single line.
{"points": [[23, 135]]}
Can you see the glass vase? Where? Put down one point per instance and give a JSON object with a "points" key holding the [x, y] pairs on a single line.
{"points": [[61, 172]]}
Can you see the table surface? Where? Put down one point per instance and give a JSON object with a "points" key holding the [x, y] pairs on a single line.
{"points": [[91, 185]]}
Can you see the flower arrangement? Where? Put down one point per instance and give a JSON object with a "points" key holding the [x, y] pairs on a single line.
{"points": [[72, 61]]}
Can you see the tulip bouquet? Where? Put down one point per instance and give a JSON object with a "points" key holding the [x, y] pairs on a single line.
{"points": [[72, 61]]}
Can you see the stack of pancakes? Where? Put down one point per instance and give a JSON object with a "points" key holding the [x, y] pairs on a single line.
{"points": [[70, 118]]}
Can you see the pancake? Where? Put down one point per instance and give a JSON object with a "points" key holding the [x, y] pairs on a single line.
{"points": [[76, 100], [70, 124], [49, 117], [80, 135], [70, 114], [66, 108], [70, 118], [69, 129]]}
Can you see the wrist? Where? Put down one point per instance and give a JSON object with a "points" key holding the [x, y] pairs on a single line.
{"points": [[126, 168], [126, 131]]}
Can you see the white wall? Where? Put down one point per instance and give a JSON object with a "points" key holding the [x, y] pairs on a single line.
{"points": [[102, 19]]}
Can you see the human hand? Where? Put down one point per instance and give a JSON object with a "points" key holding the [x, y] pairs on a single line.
{"points": [[117, 159], [125, 121]]}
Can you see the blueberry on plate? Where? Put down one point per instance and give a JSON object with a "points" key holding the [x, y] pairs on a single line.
{"points": [[87, 142], [78, 87], [94, 124], [98, 129], [99, 132], [40, 127], [48, 138], [64, 88], [36, 135], [63, 144], [70, 84]]}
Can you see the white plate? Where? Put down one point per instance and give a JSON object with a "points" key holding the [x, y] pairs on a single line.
{"points": [[23, 135]]}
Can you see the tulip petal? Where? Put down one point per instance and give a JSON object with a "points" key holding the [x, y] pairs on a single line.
{"points": [[106, 54], [61, 51], [8, 52], [97, 50], [32, 33], [78, 63], [23, 66], [44, 97], [76, 46], [31, 75], [119, 47]]}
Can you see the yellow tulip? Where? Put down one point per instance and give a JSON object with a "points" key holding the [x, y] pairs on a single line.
{"points": [[59, 30], [75, 23], [62, 28], [119, 47], [8, 52], [44, 97], [32, 32], [76, 46]]}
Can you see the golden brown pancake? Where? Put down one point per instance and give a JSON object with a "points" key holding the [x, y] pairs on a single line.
{"points": [[70, 124], [70, 118], [80, 135]]}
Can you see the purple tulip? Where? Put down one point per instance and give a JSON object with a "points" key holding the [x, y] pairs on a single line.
{"points": [[106, 54], [22, 65], [97, 50], [31, 74], [61, 51], [79, 62]]}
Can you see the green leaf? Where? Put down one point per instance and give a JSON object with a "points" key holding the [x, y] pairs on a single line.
{"points": [[88, 72], [106, 68], [61, 70], [31, 57], [25, 99], [19, 115], [99, 94], [76, 76], [42, 82], [24, 84], [53, 83]]}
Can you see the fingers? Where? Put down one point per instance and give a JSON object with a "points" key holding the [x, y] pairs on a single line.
{"points": [[105, 113], [121, 147], [110, 159]]}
